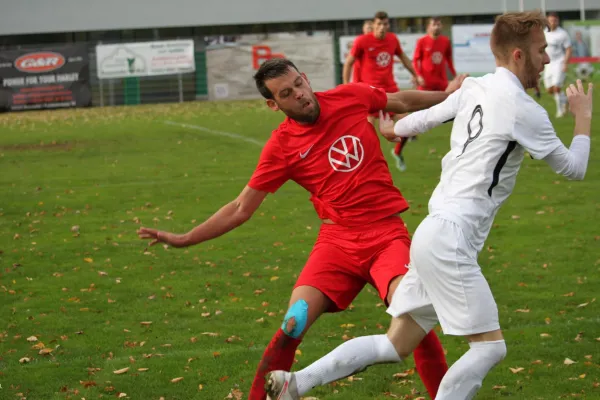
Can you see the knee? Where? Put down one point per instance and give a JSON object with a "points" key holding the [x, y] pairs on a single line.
{"points": [[296, 319], [501, 351]]}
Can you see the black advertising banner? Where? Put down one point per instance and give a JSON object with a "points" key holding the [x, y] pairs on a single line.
{"points": [[53, 77]]}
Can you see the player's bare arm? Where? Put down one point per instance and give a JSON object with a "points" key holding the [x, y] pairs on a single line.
{"points": [[347, 72], [414, 100], [408, 65], [226, 219]]}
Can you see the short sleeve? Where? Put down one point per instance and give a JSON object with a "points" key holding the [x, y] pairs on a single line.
{"points": [[534, 131], [398, 51], [357, 47], [373, 98], [272, 171]]}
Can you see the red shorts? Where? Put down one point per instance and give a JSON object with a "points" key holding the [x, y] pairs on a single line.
{"points": [[391, 89], [344, 259], [434, 84]]}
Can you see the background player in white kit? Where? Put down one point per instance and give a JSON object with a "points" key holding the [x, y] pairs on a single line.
{"points": [[495, 123], [559, 50]]}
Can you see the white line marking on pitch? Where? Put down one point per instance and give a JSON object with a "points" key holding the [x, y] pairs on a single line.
{"points": [[215, 132]]}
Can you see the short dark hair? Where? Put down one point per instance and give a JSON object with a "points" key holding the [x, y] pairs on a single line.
{"points": [[433, 19], [271, 69], [552, 14], [381, 15]]}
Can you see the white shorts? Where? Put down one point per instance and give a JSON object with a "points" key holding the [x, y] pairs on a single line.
{"points": [[554, 75], [445, 283]]}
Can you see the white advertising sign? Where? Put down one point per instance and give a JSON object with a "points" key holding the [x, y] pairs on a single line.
{"points": [[123, 60]]}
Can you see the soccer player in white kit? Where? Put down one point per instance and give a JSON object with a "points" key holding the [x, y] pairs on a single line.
{"points": [[559, 50], [495, 123]]}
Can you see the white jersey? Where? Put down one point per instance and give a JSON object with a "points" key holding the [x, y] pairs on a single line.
{"points": [[495, 122], [558, 42]]}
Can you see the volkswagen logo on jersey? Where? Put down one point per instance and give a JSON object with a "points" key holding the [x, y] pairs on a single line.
{"points": [[383, 59], [346, 153], [437, 57]]}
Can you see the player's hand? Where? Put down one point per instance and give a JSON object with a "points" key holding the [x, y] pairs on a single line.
{"points": [[386, 126], [420, 81], [565, 68], [580, 103], [157, 236], [456, 83]]}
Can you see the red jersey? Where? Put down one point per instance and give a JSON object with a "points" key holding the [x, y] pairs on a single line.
{"points": [[431, 58], [338, 159], [376, 58]]}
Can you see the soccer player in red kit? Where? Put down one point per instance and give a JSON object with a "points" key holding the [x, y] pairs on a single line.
{"points": [[327, 146], [376, 52], [366, 29], [433, 54]]}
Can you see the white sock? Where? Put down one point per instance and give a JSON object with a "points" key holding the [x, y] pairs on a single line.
{"points": [[557, 99], [347, 359], [464, 378]]}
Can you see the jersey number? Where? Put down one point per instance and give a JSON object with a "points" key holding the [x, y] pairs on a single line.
{"points": [[473, 133]]}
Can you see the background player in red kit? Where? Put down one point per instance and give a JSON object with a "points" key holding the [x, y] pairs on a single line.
{"points": [[366, 29], [376, 52], [433, 54], [327, 146]]}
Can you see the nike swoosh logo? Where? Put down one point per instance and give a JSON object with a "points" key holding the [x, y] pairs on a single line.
{"points": [[303, 155]]}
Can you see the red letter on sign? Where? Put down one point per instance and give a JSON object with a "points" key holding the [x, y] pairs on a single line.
{"points": [[261, 54]]}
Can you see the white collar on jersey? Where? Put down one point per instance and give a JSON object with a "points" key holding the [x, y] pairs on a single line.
{"points": [[509, 75]]}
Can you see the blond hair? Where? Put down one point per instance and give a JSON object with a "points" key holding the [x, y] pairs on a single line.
{"points": [[513, 30]]}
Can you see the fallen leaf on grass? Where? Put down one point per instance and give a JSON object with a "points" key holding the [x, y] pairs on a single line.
{"points": [[121, 371], [45, 351], [497, 387], [146, 323], [545, 335], [32, 339], [143, 369], [175, 380], [235, 394], [24, 360], [516, 370], [88, 260], [87, 384], [522, 310], [568, 361]]}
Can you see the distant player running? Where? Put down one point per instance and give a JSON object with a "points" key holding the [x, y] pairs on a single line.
{"points": [[559, 50]]}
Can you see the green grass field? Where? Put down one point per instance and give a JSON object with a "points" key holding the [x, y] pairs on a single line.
{"points": [[77, 184]]}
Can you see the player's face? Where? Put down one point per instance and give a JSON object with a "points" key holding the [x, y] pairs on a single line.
{"points": [[293, 95], [435, 28], [553, 22], [368, 28], [381, 27], [535, 59]]}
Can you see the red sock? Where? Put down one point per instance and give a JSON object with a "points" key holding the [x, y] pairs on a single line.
{"points": [[279, 355], [400, 146], [431, 363]]}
